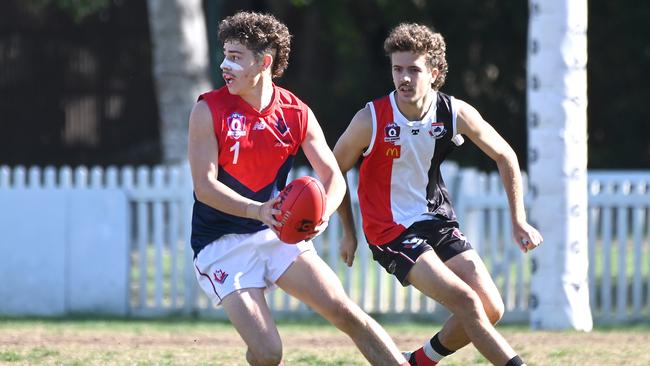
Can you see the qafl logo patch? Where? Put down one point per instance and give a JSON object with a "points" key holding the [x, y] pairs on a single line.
{"points": [[236, 126], [391, 132]]}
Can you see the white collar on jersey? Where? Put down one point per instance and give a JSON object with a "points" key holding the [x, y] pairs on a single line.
{"points": [[400, 119]]}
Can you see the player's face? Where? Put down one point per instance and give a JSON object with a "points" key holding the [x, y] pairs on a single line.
{"points": [[411, 76], [240, 69]]}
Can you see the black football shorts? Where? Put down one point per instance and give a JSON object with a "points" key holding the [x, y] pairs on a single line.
{"points": [[399, 255]]}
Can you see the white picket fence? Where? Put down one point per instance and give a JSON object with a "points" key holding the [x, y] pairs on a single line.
{"points": [[161, 280], [619, 235]]}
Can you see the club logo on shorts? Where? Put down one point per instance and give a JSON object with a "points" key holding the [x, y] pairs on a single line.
{"points": [[437, 130], [219, 276], [391, 132], [412, 243], [457, 233], [236, 125]]}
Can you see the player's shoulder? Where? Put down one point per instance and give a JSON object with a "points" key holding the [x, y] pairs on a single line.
{"points": [[218, 100], [287, 98], [363, 115], [361, 123], [373, 107], [462, 108], [382, 105], [381, 99], [444, 95], [215, 94], [200, 114], [455, 102]]}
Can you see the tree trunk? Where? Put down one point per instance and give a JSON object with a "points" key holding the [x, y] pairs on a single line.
{"points": [[557, 130], [180, 68]]}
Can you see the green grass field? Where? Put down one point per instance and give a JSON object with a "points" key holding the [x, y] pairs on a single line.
{"points": [[204, 342]]}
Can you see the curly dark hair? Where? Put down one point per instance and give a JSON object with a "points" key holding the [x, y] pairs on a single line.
{"points": [[260, 33], [420, 39]]}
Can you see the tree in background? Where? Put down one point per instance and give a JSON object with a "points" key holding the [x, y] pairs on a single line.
{"points": [[179, 60], [180, 68], [78, 9], [336, 65], [337, 61]]}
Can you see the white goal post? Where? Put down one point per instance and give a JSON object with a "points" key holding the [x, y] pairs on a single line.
{"points": [[557, 161]]}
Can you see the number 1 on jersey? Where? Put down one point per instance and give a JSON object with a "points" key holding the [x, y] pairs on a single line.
{"points": [[235, 148]]}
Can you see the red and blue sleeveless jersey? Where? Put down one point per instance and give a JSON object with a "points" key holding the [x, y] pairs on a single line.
{"points": [[399, 178], [256, 151]]}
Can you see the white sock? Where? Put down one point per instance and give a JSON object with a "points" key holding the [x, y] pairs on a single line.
{"points": [[431, 353]]}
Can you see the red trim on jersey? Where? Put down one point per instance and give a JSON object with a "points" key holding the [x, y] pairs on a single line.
{"points": [[375, 180]]}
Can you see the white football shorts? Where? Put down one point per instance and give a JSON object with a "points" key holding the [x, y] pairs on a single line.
{"points": [[238, 261]]}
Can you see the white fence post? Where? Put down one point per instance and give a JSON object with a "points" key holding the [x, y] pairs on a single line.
{"points": [[5, 175], [186, 203], [638, 217], [171, 234]]}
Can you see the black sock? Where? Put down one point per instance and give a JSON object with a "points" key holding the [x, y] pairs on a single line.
{"points": [[438, 347], [411, 360], [515, 361]]}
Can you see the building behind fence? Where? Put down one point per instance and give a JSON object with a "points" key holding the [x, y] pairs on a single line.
{"points": [[115, 241]]}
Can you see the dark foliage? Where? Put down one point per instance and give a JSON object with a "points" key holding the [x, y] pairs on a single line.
{"points": [[336, 66]]}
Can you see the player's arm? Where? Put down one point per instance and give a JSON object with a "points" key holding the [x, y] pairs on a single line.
{"points": [[322, 160], [203, 154], [471, 124], [347, 151]]}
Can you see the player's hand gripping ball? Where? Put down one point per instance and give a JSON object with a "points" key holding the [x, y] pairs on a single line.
{"points": [[302, 203]]}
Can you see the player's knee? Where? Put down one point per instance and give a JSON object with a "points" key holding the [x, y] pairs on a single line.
{"points": [[467, 304], [265, 355], [495, 309]]}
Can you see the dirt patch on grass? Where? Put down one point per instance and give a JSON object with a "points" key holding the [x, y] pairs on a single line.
{"points": [[298, 338]]}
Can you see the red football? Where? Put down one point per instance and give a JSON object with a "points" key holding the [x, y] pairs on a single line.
{"points": [[302, 203]]}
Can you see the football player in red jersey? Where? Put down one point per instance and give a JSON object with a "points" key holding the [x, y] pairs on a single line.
{"points": [[408, 218], [243, 138]]}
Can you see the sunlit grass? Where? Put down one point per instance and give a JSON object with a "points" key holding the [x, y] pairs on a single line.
{"points": [[181, 342]]}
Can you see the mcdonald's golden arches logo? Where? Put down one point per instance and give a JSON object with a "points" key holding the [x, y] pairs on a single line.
{"points": [[394, 151]]}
